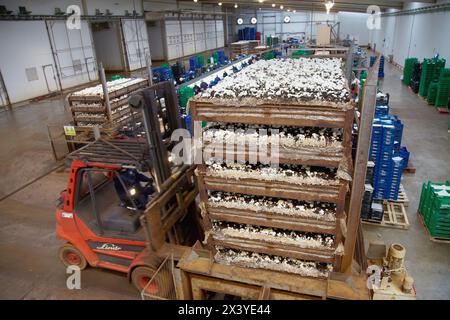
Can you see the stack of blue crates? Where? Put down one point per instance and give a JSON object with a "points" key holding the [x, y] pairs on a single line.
{"points": [[193, 64], [385, 153], [163, 73], [381, 66], [381, 111], [222, 58], [247, 34]]}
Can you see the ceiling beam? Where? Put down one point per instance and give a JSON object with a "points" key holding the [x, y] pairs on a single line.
{"points": [[316, 5]]}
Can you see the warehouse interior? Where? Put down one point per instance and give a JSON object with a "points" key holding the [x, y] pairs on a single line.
{"points": [[347, 199]]}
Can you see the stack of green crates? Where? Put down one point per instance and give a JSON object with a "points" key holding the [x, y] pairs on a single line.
{"points": [[185, 94], [431, 69], [434, 207], [443, 88], [432, 93], [200, 60], [268, 55], [408, 70], [301, 53]]}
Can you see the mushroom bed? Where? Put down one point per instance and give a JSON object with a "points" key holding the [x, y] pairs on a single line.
{"points": [[289, 173], [111, 85], [270, 262], [325, 139], [306, 209], [315, 80], [273, 235]]}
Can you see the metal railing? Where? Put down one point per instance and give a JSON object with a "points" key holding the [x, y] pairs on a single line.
{"points": [[162, 284]]}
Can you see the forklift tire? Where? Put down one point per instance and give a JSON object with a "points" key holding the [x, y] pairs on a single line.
{"points": [[71, 256], [161, 286]]}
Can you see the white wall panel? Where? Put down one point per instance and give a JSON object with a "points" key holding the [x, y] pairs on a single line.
{"points": [[32, 52], [41, 6], [199, 34], [136, 42], [74, 53], [355, 25], [187, 29], [116, 7]]}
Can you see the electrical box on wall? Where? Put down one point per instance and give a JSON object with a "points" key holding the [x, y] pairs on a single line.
{"points": [[323, 34]]}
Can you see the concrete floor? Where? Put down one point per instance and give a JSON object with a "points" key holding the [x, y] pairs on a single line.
{"points": [[425, 135], [29, 266]]}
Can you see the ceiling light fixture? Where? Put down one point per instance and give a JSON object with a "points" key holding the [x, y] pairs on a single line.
{"points": [[328, 5], [288, 10], [253, 20], [294, 11], [240, 21], [260, 1], [195, 0], [273, 5], [220, 3], [281, 7], [235, 5]]}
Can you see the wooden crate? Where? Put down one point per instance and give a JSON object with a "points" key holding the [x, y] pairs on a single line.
{"points": [[285, 113], [199, 274], [77, 106]]}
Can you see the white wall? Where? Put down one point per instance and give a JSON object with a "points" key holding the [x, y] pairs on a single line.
{"points": [[420, 35], [354, 24], [74, 53], [27, 47], [304, 22], [41, 6], [116, 7]]}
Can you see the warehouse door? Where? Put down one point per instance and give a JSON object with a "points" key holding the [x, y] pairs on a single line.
{"points": [[4, 99], [108, 45], [135, 43], [50, 77]]}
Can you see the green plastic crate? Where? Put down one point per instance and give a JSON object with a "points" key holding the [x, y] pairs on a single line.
{"points": [[431, 69], [408, 70], [185, 94], [434, 207], [432, 93]]}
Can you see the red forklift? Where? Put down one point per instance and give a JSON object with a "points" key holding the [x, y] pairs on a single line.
{"points": [[110, 223]]}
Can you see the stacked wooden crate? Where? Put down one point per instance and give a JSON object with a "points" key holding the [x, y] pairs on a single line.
{"points": [[89, 106], [291, 218], [240, 47]]}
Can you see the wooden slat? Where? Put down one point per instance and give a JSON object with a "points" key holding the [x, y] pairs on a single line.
{"points": [[272, 220], [275, 249], [271, 114], [273, 188]]}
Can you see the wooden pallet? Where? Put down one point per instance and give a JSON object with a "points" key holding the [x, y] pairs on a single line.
{"points": [[409, 168], [394, 216], [402, 197], [442, 110], [434, 239], [198, 274]]}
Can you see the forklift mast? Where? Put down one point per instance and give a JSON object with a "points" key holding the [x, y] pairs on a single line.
{"points": [[161, 116]]}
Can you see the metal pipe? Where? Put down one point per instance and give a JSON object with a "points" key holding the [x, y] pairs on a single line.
{"points": [[101, 72], [54, 55], [428, 9]]}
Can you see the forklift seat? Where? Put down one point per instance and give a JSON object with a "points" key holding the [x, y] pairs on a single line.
{"points": [[113, 217], [117, 220]]}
